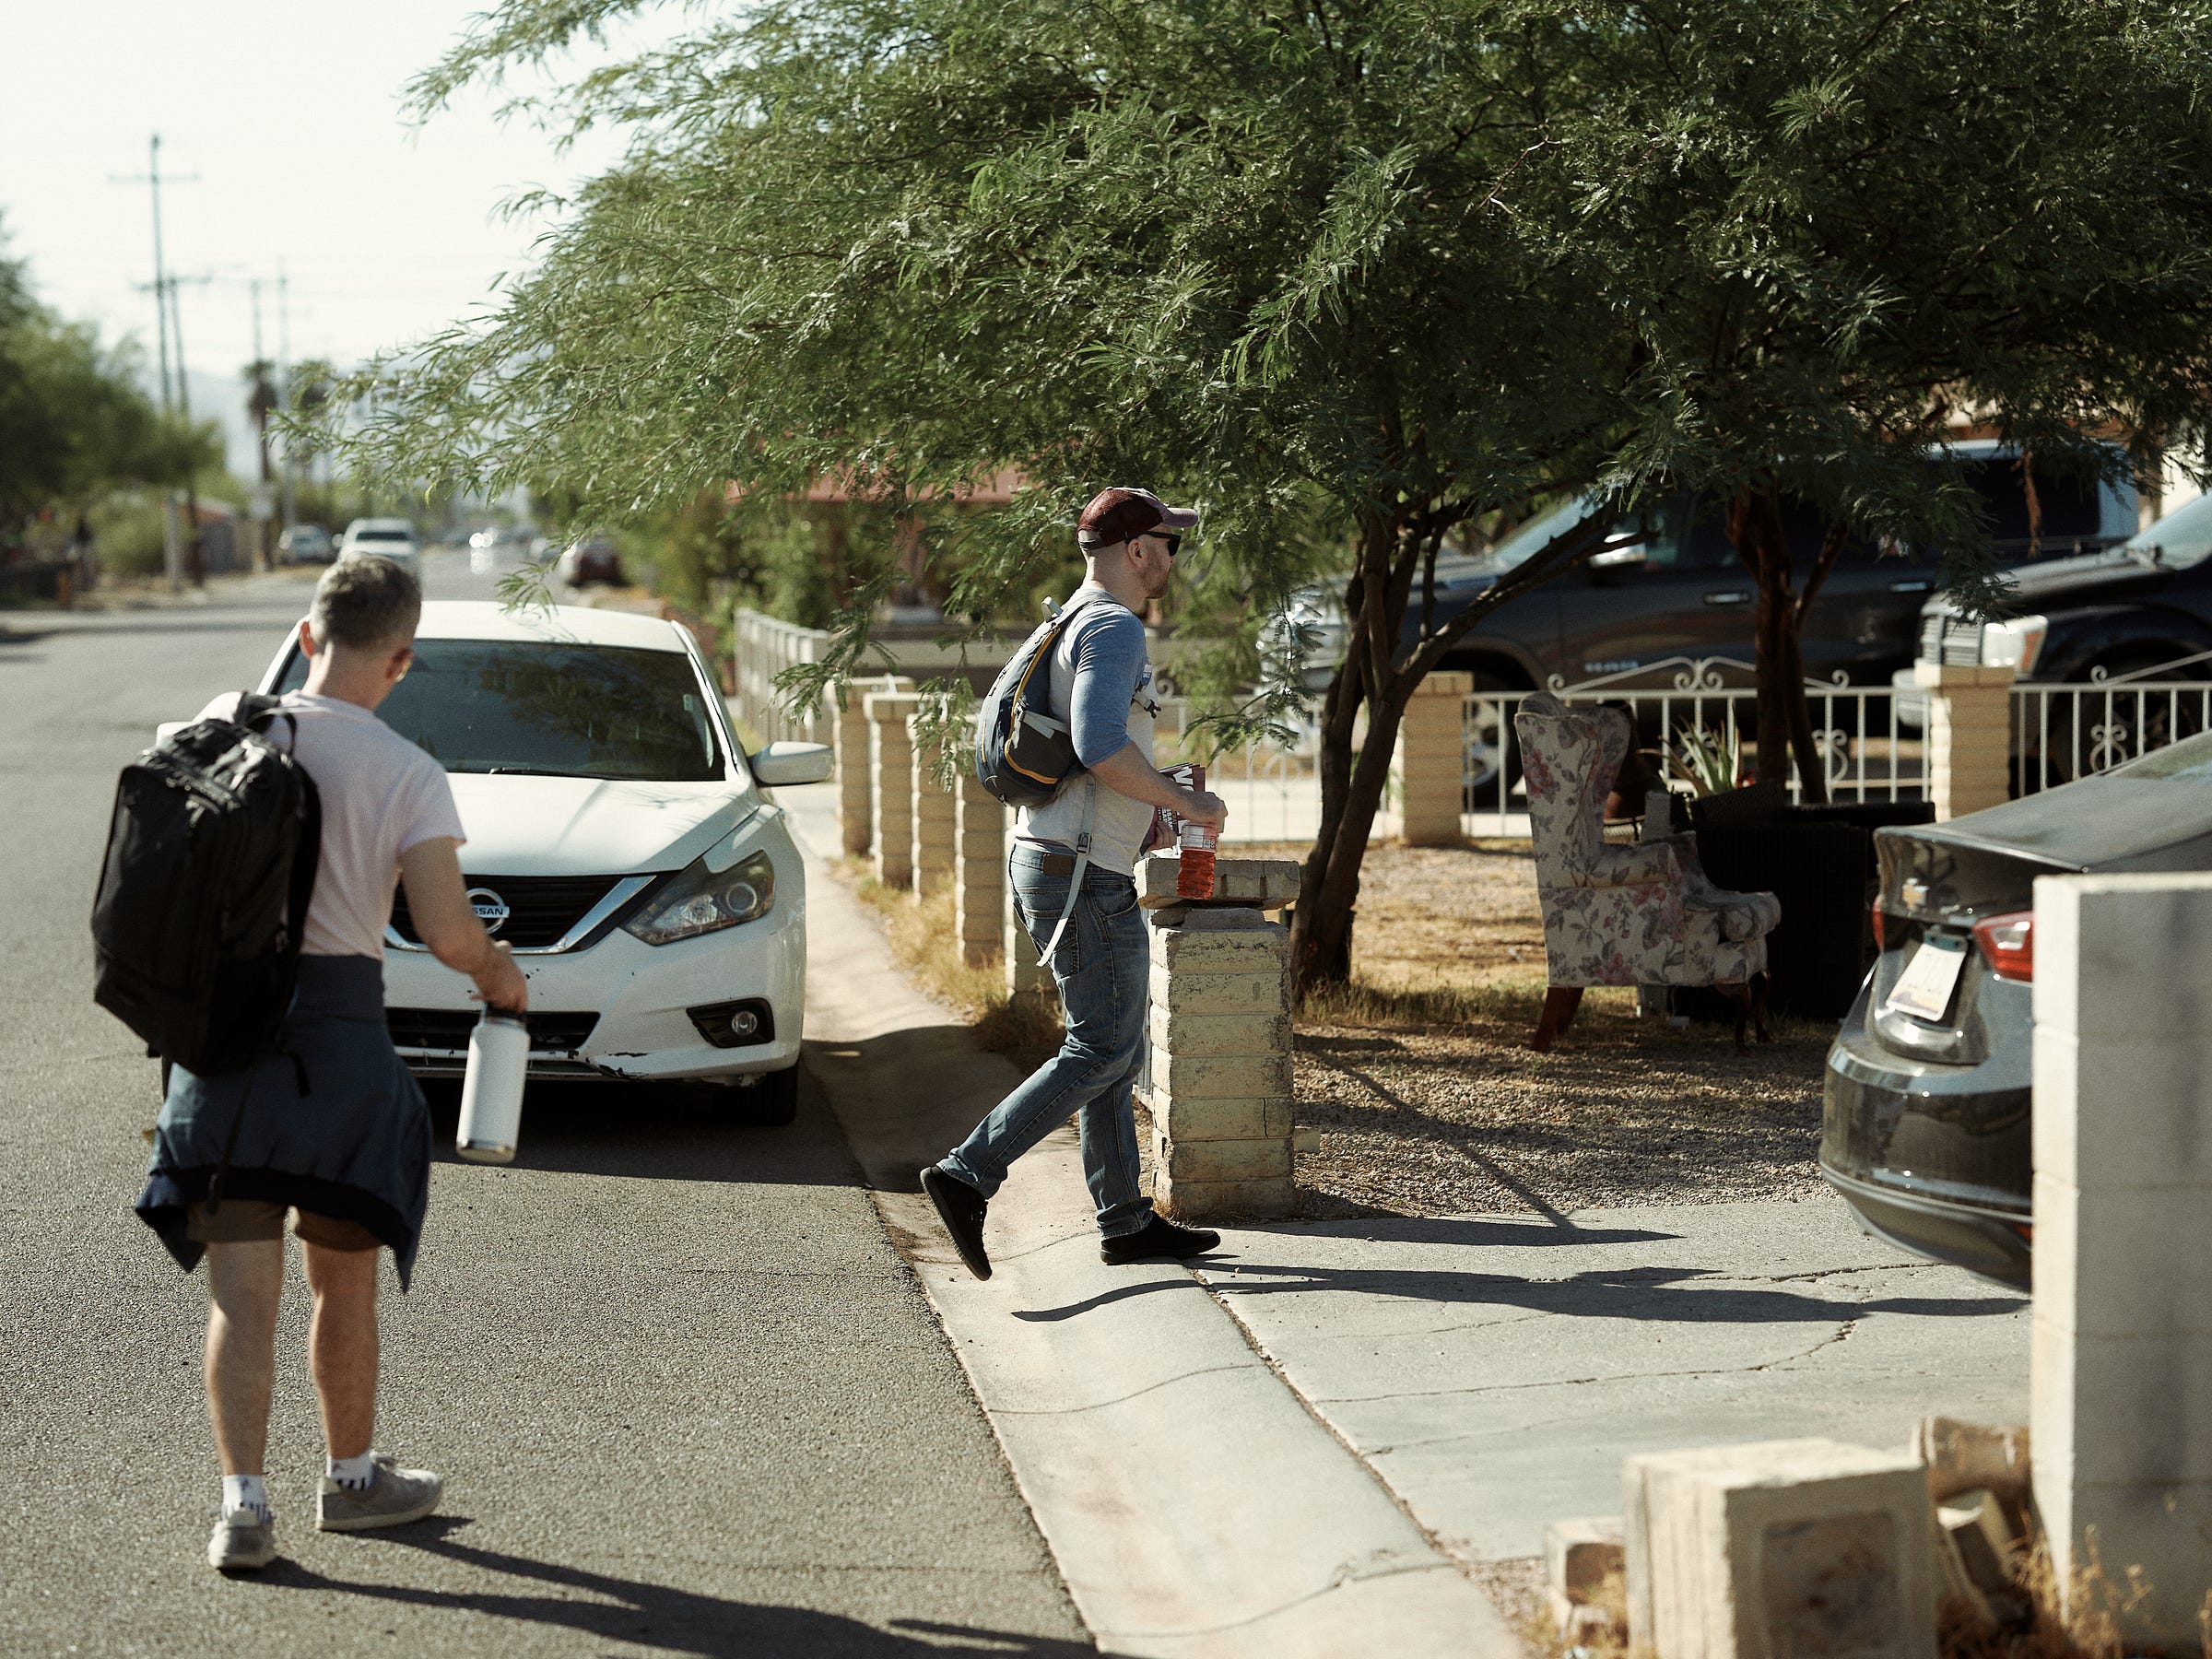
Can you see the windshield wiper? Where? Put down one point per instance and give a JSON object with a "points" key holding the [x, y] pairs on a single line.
{"points": [[526, 771]]}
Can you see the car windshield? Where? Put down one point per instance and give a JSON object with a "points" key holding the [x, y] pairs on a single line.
{"points": [[553, 710], [2182, 537], [380, 536], [1523, 542]]}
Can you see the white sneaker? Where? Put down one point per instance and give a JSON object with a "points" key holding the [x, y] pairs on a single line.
{"points": [[394, 1498], [242, 1542]]}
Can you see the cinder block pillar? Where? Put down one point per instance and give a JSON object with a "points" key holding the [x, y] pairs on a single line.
{"points": [[1026, 976], [1219, 1091], [1968, 756], [1429, 763], [849, 736], [932, 813], [978, 872], [891, 785], [1777, 1548], [2120, 1384]]}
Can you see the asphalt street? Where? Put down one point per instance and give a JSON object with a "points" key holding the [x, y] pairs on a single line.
{"points": [[687, 1397]]}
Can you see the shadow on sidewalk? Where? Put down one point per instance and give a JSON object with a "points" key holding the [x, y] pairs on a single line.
{"points": [[650, 1615], [908, 1097], [1664, 1295], [1656, 1295]]}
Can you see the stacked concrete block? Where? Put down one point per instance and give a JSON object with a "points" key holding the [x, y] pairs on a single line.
{"points": [[979, 889], [1247, 883], [849, 737], [1579, 1558], [1429, 766], [1780, 1548], [1218, 1078], [2121, 1380], [934, 814], [891, 785], [1969, 753]]}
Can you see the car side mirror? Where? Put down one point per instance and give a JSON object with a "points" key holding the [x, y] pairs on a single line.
{"points": [[1620, 558], [779, 764]]}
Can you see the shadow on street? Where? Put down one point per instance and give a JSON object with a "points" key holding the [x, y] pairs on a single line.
{"points": [[661, 1616]]}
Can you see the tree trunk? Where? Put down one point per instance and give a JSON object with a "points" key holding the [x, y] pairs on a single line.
{"points": [[1784, 720]]}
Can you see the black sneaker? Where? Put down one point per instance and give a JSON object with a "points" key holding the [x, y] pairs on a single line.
{"points": [[1159, 1239], [961, 1208]]}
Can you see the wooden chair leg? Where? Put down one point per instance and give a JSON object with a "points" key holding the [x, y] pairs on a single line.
{"points": [[1559, 1004], [1758, 1005], [1741, 996]]}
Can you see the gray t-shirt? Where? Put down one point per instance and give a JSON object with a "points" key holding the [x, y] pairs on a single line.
{"points": [[1102, 685]]}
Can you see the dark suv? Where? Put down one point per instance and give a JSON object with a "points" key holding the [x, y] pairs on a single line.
{"points": [[1685, 594]]}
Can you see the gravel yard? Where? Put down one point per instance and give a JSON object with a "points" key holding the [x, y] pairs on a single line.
{"points": [[1428, 1101]]}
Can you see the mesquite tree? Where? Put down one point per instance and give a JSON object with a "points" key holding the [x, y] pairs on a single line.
{"points": [[1351, 273]]}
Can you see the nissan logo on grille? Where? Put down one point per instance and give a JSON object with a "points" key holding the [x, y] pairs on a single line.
{"points": [[492, 910]]}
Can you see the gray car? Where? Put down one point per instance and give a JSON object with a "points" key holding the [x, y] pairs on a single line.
{"points": [[1927, 1095]]}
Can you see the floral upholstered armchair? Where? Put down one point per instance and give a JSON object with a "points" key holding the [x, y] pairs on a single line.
{"points": [[1625, 915]]}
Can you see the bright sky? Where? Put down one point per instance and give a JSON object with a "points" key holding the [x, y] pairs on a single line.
{"points": [[289, 114]]}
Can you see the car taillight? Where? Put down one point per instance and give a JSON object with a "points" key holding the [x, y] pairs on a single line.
{"points": [[2008, 942], [1878, 943]]}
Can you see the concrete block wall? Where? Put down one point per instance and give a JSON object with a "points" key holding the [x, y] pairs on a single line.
{"points": [[2120, 1389], [978, 872], [1969, 737], [932, 813], [1428, 764], [849, 739], [1779, 1549], [891, 786], [1218, 1082]]}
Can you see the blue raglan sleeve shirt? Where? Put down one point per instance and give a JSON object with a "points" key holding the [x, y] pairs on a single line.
{"points": [[1108, 652]]}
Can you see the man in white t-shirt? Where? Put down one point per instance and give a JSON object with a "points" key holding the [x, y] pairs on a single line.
{"points": [[334, 1127]]}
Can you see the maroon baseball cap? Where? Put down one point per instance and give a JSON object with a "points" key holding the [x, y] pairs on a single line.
{"points": [[1120, 515]]}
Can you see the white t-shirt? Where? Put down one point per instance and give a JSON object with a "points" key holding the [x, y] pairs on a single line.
{"points": [[380, 796]]}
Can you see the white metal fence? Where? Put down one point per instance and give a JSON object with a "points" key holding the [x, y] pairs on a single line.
{"points": [[2064, 732]]}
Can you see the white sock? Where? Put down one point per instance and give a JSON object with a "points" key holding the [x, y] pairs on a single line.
{"points": [[353, 1471], [245, 1491]]}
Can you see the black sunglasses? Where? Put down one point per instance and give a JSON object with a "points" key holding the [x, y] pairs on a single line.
{"points": [[1174, 542]]}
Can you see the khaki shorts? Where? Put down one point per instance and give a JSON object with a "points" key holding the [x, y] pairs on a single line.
{"points": [[248, 1221]]}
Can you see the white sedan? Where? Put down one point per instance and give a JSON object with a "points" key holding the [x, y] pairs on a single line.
{"points": [[392, 538], [618, 840]]}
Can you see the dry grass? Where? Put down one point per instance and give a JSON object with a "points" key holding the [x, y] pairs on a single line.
{"points": [[925, 943]]}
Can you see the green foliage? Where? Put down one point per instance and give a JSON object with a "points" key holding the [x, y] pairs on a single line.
{"points": [[72, 421], [1707, 761]]}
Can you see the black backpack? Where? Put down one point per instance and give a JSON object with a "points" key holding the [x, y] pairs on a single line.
{"points": [[1023, 752], [202, 897]]}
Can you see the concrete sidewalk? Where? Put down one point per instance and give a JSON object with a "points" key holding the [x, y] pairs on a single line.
{"points": [[1192, 1503], [1495, 1369], [1423, 1394]]}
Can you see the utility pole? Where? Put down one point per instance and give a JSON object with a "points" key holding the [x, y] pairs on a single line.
{"points": [[163, 292]]}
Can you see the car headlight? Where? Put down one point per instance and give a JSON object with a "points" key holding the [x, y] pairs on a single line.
{"points": [[701, 900]]}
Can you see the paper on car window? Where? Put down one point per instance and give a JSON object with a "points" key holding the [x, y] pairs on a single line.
{"points": [[1923, 990]]}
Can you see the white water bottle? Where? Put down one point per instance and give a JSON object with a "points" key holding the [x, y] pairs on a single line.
{"points": [[492, 1093]]}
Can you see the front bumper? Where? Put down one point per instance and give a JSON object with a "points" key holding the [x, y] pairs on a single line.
{"points": [[639, 993], [1932, 1158]]}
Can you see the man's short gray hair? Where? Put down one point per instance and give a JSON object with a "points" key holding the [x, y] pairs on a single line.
{"points": [[363, 602]]}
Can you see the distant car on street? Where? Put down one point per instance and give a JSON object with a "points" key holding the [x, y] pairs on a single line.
{"points": [[392, 538], [618, 840], [592, 558], [1926, 1118], [305, 544]]}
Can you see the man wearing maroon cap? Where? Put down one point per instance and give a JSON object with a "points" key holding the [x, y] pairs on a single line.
{"points": [[1091, 833]]}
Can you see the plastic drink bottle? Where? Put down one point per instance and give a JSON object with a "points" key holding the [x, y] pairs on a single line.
{"points": [[491, 1092], [1195, 843]]}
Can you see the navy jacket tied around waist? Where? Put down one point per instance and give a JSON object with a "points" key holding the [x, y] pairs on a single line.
{"points": [[354, 1145]]}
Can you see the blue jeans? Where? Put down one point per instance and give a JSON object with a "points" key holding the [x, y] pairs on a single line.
{"points": [[1101, 966]]}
